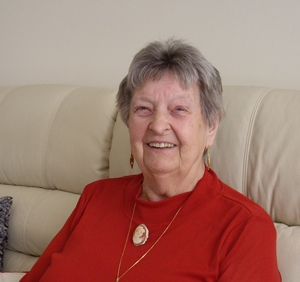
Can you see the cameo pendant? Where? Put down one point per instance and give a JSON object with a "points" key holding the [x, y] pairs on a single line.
{"points": [[140, 235]]}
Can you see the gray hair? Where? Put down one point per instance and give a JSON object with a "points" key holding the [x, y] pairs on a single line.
{"points": [[188, 66]]}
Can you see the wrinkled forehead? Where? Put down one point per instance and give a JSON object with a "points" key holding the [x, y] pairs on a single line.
{"points": [[166, 89]]}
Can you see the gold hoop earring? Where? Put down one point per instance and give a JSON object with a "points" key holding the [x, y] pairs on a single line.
{"points": [[208, 158], [131, 160]]}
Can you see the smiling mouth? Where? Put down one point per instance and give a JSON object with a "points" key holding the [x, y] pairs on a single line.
{"points": [[161, 145]]}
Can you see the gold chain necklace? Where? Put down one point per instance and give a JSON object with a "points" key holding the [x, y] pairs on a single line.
{"points": [[133, 265]]}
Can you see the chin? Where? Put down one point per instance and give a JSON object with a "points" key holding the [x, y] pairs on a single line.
{"points": [[162, 169], [161, 166]]}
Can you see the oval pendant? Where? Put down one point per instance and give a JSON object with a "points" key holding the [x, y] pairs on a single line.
{"points": [[140, 235]]}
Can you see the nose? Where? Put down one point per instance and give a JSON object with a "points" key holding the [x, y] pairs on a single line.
{"points": [[159, 122]]}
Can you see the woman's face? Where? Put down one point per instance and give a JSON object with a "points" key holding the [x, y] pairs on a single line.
{"points": [[167, 131]]}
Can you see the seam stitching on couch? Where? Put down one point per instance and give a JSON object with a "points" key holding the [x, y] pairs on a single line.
{"points": [[48, 133], [248, 139], [33, 201]]}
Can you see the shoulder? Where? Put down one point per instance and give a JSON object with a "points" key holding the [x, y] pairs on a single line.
{"points": [[229, 200], [245, 206]]}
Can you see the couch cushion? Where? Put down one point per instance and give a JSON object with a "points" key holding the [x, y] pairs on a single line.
{"points": [[256, 148], [55, 136], [36, 216]]}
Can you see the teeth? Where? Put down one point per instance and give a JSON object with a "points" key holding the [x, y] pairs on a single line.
{"points": [[161, 145]]}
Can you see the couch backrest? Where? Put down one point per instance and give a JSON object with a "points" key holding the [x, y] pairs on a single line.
{"points": [[257, 148], [256, 151], [50, 133], [54, 139]]}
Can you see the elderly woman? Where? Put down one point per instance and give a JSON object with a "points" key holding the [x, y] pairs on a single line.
{"points": [[176, 221]]}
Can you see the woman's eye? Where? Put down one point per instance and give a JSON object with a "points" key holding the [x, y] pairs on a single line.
{"points": [[181, 109], [141, 108]]}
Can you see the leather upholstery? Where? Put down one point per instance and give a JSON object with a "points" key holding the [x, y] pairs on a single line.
{"points": [[53, 141]]}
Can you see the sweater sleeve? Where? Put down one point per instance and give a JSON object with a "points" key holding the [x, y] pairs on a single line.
{"points": [[58, 242], [249, 252]]}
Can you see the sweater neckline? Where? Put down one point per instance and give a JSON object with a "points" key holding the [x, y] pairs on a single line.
{"points": [[161, 212]]}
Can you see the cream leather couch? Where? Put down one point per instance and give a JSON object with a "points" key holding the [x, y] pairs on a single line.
{"points": [[54, 139]]}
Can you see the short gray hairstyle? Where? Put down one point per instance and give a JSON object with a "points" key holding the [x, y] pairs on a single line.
{"points": [[188, 66]]}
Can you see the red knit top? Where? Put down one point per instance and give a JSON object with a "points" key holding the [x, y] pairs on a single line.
{"points": [[218, 235]]}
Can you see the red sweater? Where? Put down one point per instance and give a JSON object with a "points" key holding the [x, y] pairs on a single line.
{"points": [[219, 235]]}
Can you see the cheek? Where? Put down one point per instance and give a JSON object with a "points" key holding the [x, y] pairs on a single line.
{"points": [[136, 133], [193, 136]]}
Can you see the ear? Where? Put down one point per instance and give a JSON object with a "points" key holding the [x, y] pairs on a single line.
{"points": [[211, 134]]}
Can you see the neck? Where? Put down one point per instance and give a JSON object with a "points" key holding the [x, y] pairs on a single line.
{"points": [[157, 187]]}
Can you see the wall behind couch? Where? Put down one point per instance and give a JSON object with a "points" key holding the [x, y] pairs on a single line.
{"points": [[91, 42]]}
